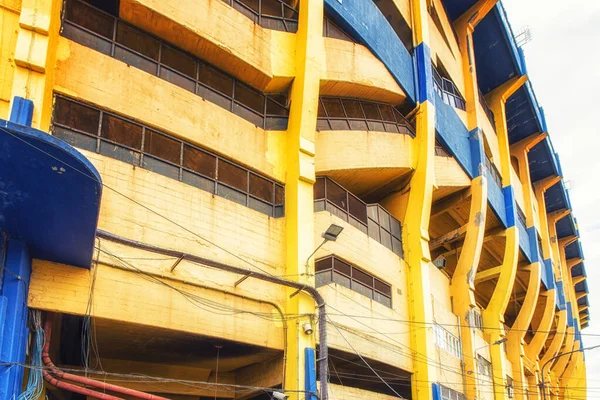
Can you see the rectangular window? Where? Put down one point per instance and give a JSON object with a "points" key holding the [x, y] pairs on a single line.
{"points": [[446, 341], [484, 366], [350, 114], [114, 37], [450, 394], [114, 136], [332, 269]]}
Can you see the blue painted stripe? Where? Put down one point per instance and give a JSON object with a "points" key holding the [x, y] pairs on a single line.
{"points": [[534, 247], [569, 314], [364, 21], [436, 391], [548, 275], [310, 374], [14, 339], [424, 73], [560, 294], [509, 205], [477, 152], [22, 111]]}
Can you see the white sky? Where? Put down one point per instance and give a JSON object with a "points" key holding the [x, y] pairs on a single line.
{"points": [[563, 63]]}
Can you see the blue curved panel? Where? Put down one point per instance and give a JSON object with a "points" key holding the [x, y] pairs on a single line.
{"points": [[364, 21], [49, 195]]}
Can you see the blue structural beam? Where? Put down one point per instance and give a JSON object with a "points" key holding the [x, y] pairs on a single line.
{"points": [[548, 275], [560, 292], [13, 317], [365, 22], [310, 374]]}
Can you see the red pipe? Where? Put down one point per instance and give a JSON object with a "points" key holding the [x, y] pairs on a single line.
{"points": [[83, 380]]}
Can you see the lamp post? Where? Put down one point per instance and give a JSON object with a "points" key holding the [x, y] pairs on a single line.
{"points": [[543, 383], [330, 235]]}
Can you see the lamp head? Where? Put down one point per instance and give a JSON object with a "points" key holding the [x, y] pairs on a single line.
{"points": [[332, 232]]}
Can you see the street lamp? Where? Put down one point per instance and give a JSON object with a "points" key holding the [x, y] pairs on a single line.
{"points": [[543, 384], [330, 235], [497, 342]]}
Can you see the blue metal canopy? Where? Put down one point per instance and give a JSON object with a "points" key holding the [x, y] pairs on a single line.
{"points": [[565, 227], [542, 161], [574, 250], [49, 194], [557, 198]]}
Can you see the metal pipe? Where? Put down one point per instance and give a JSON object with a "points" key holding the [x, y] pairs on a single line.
{"points": [[53, 375], [322, 362]]}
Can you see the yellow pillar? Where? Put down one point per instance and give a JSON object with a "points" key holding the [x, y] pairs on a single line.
{"points": [[517, 333], [493, 315], [556, 341], [559, 366], [300, 178], [35, 55], [533, 349]]}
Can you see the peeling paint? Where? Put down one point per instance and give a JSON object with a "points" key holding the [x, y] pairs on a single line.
{"points": [[479, 219]]}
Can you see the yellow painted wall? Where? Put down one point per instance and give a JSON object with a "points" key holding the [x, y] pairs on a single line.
{"points": [[82, 73], [349, 393], [221, 35], [118, 295], [351, 70], [364, 252], [9, 15]]}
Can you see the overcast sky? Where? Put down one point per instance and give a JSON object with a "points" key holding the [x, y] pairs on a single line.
{"points": [[563, 63]]}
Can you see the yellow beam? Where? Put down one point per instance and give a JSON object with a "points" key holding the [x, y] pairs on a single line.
{"points": [[487, 275], [546, 183], [559, 214], [571, 262], [562, 242], [557, 341], [578, 279], [507, 89], [448, 237], [300, 177], [533, 349], [524, 145], [474, 15], [561, 363], [441, 206]]}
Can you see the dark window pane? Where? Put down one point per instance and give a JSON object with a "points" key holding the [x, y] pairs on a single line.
{"points": [[397, 246], [274, 108], [371, 111], [249, 97], [321, 111], [161, 167], [135, 60], [198, 181], [323, 125], [77, 116], [357, 208], [76, 139], [337, 195], [271, 7], [260, 206], [261, 188], [374, 230], [215, 79], [178, 79], [383, 287], [339, 125], [233, 175], [362, 289], [279, 212], [119, 153], [279, 194], [341, 279], [319, 188], [178, 60], [199, 161], [323, 264], [380, 298], [121, 131], [249, 115], [276, 123], [362, 277], [386, 239], [214, 97], [232, 194], [353, 109], [376, 126], [162, 147], [387, 113], [358, 125], [94, 20], [391, 128], [322, 278], [341, 266], [396, 229], [138, 41], [334, 108], [373, 213], [384, 219], [86, 39]]}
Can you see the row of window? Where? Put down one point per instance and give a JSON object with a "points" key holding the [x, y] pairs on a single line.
{"points": [[93, 129], [101, 31], [447, 90], [488, 111], [371, 219], [330, 29], [476, 319], [331, 269], [350, 114], [446, 341], [271, 14], [484, 367], [451, 394], [521, 216]]}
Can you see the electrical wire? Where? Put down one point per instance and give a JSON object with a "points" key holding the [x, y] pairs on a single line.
{"points": [[35, 381]]}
